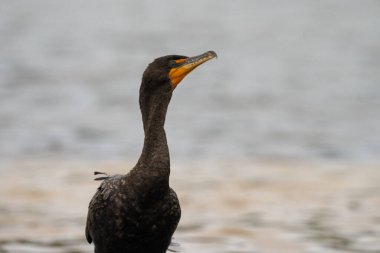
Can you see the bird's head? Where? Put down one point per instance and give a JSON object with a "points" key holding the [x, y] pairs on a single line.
{"points": [[165, 73]]}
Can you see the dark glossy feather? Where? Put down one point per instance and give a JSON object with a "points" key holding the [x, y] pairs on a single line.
{"points": [[120, 221]]}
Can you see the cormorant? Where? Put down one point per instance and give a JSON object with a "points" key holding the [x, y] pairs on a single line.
{"points": [[138, 212]]}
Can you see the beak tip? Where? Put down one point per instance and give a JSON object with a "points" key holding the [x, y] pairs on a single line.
{"points": [[212, 53]]}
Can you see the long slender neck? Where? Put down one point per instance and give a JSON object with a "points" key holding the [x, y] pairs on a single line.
{"points": [[154, 158]]}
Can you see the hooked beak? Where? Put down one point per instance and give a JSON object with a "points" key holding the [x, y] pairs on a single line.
{"points": [[182, 67]]}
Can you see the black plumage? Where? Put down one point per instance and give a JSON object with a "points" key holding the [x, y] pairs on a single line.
{"points": [[138, 212]]}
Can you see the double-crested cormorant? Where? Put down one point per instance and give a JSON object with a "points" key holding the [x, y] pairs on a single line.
{"points": [[138, 212]]}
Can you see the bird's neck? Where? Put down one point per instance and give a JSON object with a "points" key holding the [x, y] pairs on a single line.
{"points": [[154, 159]]}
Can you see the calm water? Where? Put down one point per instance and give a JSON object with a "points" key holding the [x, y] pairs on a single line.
{"points": [[227, 207], [297, 83], [294, 79]]}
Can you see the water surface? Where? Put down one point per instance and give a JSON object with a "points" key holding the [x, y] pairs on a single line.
{"points": [[296, 85], [227, 207], [295, 80]]}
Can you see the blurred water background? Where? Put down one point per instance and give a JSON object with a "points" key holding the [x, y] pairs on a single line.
{"points": [[295, 79], [294, 96]]}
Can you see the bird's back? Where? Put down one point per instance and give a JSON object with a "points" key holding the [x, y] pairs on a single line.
{"points": [[124, 217]]}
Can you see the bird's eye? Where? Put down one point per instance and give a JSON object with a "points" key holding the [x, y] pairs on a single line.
{"points": [[173, 64]]}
